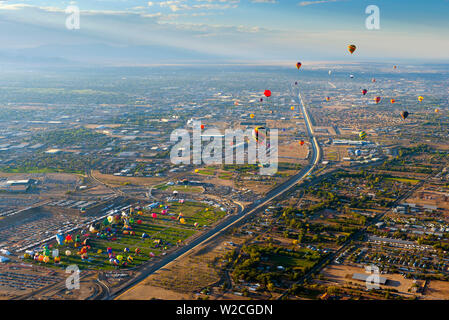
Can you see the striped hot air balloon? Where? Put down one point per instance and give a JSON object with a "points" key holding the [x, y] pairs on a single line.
{"points": [[351, 48], [362, 135]]}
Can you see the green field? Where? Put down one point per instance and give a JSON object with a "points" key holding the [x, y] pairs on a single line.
{"points": [[411, 181], [164, 233]]}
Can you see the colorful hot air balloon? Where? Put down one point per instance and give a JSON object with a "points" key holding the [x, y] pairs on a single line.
{"points": [[404, 114], [377, 99], [298, 65], [154, 215], [267, 93], [251, 115], [301, 142], [362, 135], [392, 100], [182, 220], [328, 98], [364, 91], [420, 98], [437, 110], [292, 108], [59, 239], [260, 134], [351, 48]]}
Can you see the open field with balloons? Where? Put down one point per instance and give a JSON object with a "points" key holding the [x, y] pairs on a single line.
{"points": [[127, 239]]}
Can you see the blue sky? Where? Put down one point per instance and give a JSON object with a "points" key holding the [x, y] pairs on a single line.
{"points": [[242, 30]]}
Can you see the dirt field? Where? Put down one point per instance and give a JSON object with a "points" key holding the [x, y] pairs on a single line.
{"points": [[118, 180], [342, 274], [437, 290], [186, 276]]}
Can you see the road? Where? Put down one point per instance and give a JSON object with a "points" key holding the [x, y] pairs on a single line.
{"points": [[241, 216]]}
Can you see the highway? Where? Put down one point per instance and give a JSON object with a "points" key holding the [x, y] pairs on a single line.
{"points": [[235, 219]]}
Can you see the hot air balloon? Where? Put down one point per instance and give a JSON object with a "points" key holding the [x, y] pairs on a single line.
{"points": [[373, 80], [301, 142], [362, 135], [420, 98], [260, 134], [126, 250], [110, 219], [296, 83], [392, 100], [202, 126], [154, 215], [377, 99], [328, 98], [351, 76], [267, 93], [68, 252], [292, 108], [236, 103], [395, 67], [195, 224], [68, 239], [59, 239], [251, 115], [298, 65], [182, 220], [261, 99], [437, 110], [130, 259], [364, 91], [404, 114], [330, 72], [351, 48]]}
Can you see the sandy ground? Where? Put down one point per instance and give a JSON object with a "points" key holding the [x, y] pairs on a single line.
{"points": [[342, 274], [117, 180], [437, 290]]}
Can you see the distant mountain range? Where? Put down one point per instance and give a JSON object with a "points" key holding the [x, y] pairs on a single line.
{"points": [[98, 54]]}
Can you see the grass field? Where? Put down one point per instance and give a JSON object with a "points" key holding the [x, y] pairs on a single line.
{"points": [[411, 181], [164, 233]]}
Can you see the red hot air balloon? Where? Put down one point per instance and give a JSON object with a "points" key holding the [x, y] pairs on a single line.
{"points": [[202, 126], [373, 80], [301, 142], [267, 93], [377, 99], [364, 91], [392, 101], [298, 65]]}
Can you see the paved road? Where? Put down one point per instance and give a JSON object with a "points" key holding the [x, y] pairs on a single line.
{"points": [[241, 216]]}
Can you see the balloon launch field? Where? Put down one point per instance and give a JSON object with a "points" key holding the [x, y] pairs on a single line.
{"points": [[127, 239]]}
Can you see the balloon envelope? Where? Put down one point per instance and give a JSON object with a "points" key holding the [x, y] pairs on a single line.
{"points": [[352, 48]]}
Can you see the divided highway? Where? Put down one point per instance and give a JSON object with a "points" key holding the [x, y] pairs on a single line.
{"points": [[235, 219]]}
